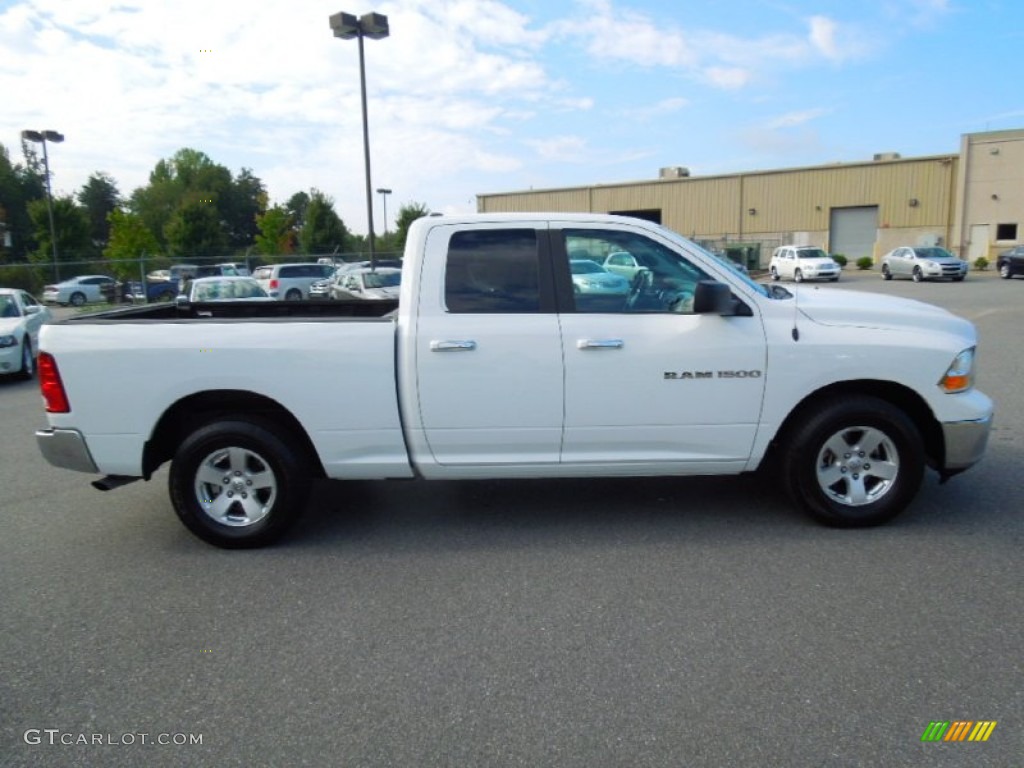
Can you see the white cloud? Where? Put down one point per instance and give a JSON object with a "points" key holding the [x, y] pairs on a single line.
{"points": [[793, 119], [729, 78]]}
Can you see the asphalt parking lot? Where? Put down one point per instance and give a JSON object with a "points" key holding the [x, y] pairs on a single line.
{"points": [[697, 622]]}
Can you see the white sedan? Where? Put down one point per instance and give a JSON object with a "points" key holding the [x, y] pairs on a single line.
{"points": [[21, 316], [78, 290]]}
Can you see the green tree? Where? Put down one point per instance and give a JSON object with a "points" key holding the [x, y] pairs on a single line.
{"points": [[129, 239], [296, 207], [99, 197], [246, 199], [276, 235], [18, 186], [323, 230], [195, 230], [71, 226], [188, 178], [407, 214]]}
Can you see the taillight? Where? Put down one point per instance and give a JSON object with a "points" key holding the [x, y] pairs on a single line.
{"points": [[51, 386], [273, 282]]}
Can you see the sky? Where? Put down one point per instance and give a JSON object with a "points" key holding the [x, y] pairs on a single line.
{"points": [[469, 97]]}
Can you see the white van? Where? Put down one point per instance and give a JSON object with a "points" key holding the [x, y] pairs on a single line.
{"points": [[290, 282]]}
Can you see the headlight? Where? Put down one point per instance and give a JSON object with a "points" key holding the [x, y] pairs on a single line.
{"points": [[959, 377], [8, 341]]}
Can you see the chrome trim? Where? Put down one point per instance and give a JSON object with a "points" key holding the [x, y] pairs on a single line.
{"points": [[965, 442], [65, 448], [599, 344]]}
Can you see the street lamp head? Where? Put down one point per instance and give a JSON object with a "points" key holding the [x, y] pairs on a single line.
{"points": [[345, 25], [375, 25], [371, 25], [40, 136], [383, 191]]}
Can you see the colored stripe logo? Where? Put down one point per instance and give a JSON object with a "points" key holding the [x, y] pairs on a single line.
{"points": [[958, 730]]}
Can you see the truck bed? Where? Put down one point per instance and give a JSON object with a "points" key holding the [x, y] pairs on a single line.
{"points": [[242, 310]]}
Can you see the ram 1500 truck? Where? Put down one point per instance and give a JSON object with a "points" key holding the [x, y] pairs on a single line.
{"points": [[497, 361]]}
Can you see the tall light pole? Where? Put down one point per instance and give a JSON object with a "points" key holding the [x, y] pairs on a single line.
{"points": [[41, 137], [384, 202], [374, 26]]}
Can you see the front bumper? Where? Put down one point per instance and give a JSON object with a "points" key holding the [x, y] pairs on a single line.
{"points": [[965, 443], [66, 448]]}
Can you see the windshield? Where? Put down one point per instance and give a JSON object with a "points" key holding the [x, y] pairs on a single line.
{"points": [[379, 280], [812, 253], [933, 253], [7, 307]]}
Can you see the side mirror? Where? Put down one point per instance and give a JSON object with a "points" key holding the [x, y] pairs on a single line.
{"points": [[32, 309], [181, 300], [711, 297]]}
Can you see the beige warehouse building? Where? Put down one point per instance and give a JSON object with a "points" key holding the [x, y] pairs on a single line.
{"points": [[972, 203]]}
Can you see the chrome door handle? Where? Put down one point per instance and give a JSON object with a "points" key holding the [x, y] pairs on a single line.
{"points": [[599, 344], [452, 346]]}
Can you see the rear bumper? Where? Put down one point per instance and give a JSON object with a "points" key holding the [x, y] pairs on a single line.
{"points": [[66, 448], [965, 443]]}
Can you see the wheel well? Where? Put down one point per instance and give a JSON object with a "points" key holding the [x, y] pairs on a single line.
{"points": [[904, 398], [192, 412]]}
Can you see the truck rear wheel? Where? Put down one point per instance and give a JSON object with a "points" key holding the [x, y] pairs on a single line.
{"points": [[854, 463], [236, 483]]}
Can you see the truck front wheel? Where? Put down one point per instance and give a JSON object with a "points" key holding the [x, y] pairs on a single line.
{"points": [[855, 463], [236, 483]]}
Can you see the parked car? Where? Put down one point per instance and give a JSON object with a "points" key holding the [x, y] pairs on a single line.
{"points": [[623, 263], [803, 262], [321, 289], [291, 282], [224, 288], [381, 283], [21, 317], [923, 263], [1011, 262], [78, 290], [590, 277]]}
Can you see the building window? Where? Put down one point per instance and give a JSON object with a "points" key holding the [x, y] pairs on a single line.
{"points": [[1006, 232]]}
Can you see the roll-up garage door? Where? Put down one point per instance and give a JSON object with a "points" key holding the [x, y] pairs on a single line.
{"points": [[852, 231]]}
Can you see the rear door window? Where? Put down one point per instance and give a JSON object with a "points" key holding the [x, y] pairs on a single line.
{"points": [[493, 271]]}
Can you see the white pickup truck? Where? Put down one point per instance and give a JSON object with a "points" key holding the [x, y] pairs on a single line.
{"points": [[494, 363]]}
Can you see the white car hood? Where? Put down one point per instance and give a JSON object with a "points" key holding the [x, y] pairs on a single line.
{"points": [[9, 325], [389, 292], [874, 310]]}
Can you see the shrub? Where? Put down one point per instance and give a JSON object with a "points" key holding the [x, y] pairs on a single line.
{"points": [[865, 262], [981, 263], [839, 259]]}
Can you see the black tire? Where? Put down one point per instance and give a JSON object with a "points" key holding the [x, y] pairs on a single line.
{"points": [[860, 496], [263, 467], [77, 299], [1004, 272], [775, 273], [293, 295], [28, 361], [886, 274], [958, 279], [918, 276], [798, 276], [833, 279]]}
